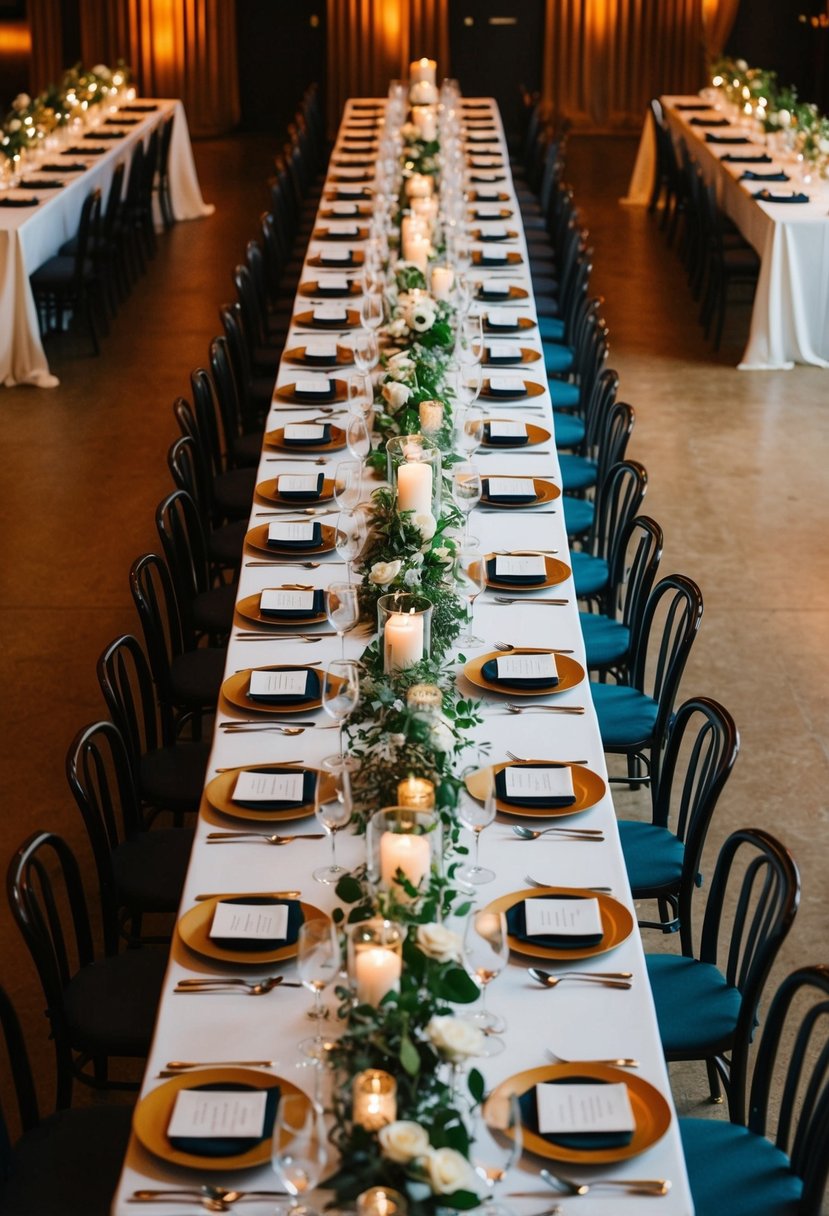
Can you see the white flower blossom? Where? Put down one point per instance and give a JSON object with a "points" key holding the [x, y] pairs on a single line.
{"points": [[21, 102], [403, 1141], [741, 65], [426, 524], [397, 328], [14, 124], [396, 395], [449, 1171], [422, 314], [438, 942], [454, 1038], [383, 573]]}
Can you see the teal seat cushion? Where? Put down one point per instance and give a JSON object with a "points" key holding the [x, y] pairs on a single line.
{"points": [[653, 856], [590, 574], [551, 325], [606, 642], [577, 473], [735, 1171], [626, 716], [568, 430], [696, 1007], [578, 515], [557, 357], [547, 306], [564, 395]]}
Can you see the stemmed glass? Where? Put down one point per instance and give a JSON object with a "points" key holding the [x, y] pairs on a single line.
{"points": [[471, 339], [366, 350], [358, 436], [333, 810], [342, 608], [470, 576], [350, 536], [371, 310], [361, 398], [340, 694], [299, 1153], [485, 955], [470, 428], [496, 1154], [476, 814], [466, 489], [318, 963]]}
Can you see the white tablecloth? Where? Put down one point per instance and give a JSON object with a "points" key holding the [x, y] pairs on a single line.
{"points": [[576, 1021], [790, 318], [28, 236]]}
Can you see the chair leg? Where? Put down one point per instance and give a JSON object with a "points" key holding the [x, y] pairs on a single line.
{"points": [[714, 1083]]}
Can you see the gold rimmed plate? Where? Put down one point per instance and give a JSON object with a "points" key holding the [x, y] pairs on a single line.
{"points": [[617, 923], [248, 608], [651, 1112], [276, 439], [479, 258], [530, 389], [306, 319], [570, 673], [193, 929], [257, 538], [337, 393], [319, 261], [345, 357], [588, 787], [154, 1111], [501, 197], [325, 234], [268, 491], [314, 288], [545, 491], [520, 323], [235, 692], [528, 355], [556, 572], [535, 435], [219, 791]]}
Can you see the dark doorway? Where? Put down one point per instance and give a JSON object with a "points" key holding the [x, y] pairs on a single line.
{"points": [[281, 51], [495, 49]]}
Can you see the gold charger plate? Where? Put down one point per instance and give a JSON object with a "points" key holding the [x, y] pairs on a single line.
{"points": [[345, 356], [312, 288], [503, 214], [478, 234], [617, 923], [286, 393], [545, 492], [248, 608], [218, 793], [193, 929], [479, 258], [356, 259], [235, 692], [328, 213], [352, 320], [276, 439], [531, 389], [535, 435], [268, 491], [501, 197], [520, 323], [570, 673], [651, 1112], [152, 1116], [588, 787], [515, 293], [325, 234], [257, 538], [528, 355], [557, 572]]}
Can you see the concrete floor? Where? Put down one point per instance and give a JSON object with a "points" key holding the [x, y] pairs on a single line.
{"points": [[737, 465]]}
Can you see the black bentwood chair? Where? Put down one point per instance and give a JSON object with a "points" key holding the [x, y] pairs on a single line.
{"points": [[71, 283], [225, 542], [207, 609]]}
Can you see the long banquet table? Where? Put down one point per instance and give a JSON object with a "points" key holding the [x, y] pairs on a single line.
{"points": [[575, 1021], [30, 235], [790, 316]]}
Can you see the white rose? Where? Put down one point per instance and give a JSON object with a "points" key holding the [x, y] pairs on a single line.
{"points": [[21, 102], [454, 1038], [383, 573], [396, 394], [101, 69], [741, 65], [14, 124], [784, 118], [422, 315], [397, 328], [400, 366], [449, 1171], [443, 554], [438, 942], [823, 146], [443, 738], [425, 523], [412, 577], [403, 1141]]}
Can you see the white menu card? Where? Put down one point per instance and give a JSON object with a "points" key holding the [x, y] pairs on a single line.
{"points": [[560, 917], [215, 1113], [509, 567], [511, 487], [330, 312], [269, 787], [277, 600], [505, 428], [278, 683], [309, 431], [297, 483], [523, 781], [584, 1108], [253, 922], [281, 530]]}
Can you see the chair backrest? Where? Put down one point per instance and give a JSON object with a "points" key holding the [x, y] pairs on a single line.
{"points": [[634, 561], [126, 682], [618, 499], [113, 207], [240, 359], [88, 234], [252, 318], [164, 636], [185, 548], [229, 394], [16, 1065], [255, 262], [209, 419], [135, 178], [187, 471], [601, 401]]}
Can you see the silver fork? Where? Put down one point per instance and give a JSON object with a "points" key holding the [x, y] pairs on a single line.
{"points": [[549, 763], [512, 646], [512, 599], [544, 709], [536, 882]]}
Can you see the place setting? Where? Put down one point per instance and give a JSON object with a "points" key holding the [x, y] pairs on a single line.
{"points": [[296, 489], [507, 492], [296, 437], [292, 538], [313, 388], [524, 672], [505, 321], [523, 571], [494, 290], [320, 352], [507, 388], [509, 433], [291, 688], [328, 316], [538, 789]]}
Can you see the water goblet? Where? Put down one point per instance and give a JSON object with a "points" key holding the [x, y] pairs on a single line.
{"points": [[333, 809], [299, 1151], [476, 814], [471, 339], [366, 350], [318, 964], [470, 576], [470, 429], [361, 398], [350, 532], [358, 436], [371, 310], [347, 483], [342, 608], [467, 489], [485, 955], [499, 1141], [340, 694]]}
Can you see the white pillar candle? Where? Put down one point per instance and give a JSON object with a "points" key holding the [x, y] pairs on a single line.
{"points": [[376, 972], [423, 69], [431, 416], [414, 487], [443, 280], [402, 641], [408, 853], [416, 251], [419, 185], [425, 119], [413, 225]]}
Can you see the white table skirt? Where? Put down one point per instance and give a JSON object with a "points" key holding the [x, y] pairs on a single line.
{"points": [[576, 1021], [790, 317], [29, 236]]}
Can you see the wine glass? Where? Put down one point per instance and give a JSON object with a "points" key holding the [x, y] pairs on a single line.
{"points": [[366, 350], [318, 964], [470, 576], [361, 397], [470, 428], [466, 489], [340, 693], [299, 1151], [471, 339], [476, 814], [485, 955], [350, 536], [358, 436], [342, 607], [347, 479], [333, 808], [499, 1141], [371, 310]]}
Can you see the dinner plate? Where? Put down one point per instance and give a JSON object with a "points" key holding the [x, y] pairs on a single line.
{"points": [[218, 793], [287, 392], [651, 1112], [479, 258], [617, 923], [153, 1112], [193, 929], [268, 491], [276, 439], [535, 435], [257, 538], [352, 320], [531, 389], [345, 357], [520, 323], [357, 258], [248, 608], [570, 673], [545, 492], [588, 787], [314, 288], [528, 355], [235, 692], [556, 572], [514, 293]]}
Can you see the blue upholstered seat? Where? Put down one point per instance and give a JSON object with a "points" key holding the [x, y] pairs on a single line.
{"points": [[568, 429], [590, 574], [735, 1171], [626, 716], [578, 514], [577, 473], [551, 327], [564, 394], [653, 855], [557, 358], [696, 1008], [605, 641]]}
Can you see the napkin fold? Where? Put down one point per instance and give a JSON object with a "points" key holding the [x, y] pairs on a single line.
{"points": [[494, 293], [578, 1140], [691, 106], [312, 443], [726, 139], [105, 135], [294, 614], [504, 441], [735, 158], [517, 927], [306, 545], [329, 395], [312, 692], [517, 390], [508, 498], [541, 804], [228, 1146], [42, 183], [139, 109], [490, 672], [708, 122], [306, 495], [18, 202], [122, 122], [750, 176], [513, 580], [309, 788], [486, 180], [61, 168], [766, 196], [76, 151]]}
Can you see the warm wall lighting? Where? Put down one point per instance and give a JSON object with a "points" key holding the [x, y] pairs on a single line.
{"points": [[15, 38]]}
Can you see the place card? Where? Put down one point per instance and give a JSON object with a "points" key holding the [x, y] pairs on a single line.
{"points": [[321, 348], [497, 230], [333, 282], [503, 428], [584, 1108], [495, 287], [503, 351], [520, 567], [489, 212], [277, 600], [505, 384], [526, 784], [310, 385], [485, 162], [562, 917], [485, 192], [334, 254], [210, 1114], [501, 318], [304, 432], [345, 209], [269, 787], [341, 230], [298, 483], [527, 667], [296, 532], [494, 255], [511, 487], [250, 922], [355, 191], [330, 313], [269, 684]]}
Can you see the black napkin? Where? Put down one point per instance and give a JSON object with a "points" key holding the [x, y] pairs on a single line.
{"points": [[541, 804], [766, 196], [483, 259], [517, 927], [708, 122], [334, 293], [490, 672], [498, 236], [76, 151], [492, 357], [319, 360], [726, 139], [505, 441], [228, 1146], [524, 580], [122, 122], [305, 495], [250, 946], [305, 545], [578, 1140], [139, 109], [694, 106], [344, 196], [354, 164], [356, 138], [734, 159], [312, 691], [304, 443], [293, 614], [309, 789], [57, 168], [43, 183], [18, 202], [508, 498], [486, 181], [105, 135], [508, 327], [327, 396], [750, 176], [500, 293], [518, 391], [333, 263]]}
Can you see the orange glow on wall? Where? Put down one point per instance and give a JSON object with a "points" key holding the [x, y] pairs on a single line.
{"points": [[15, 38]]}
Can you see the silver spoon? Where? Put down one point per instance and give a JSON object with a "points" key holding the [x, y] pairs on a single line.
{"points": [[291, 459], [512, 646], [268, 637], [544, 709], [635, 1186], [604, 979], [533, 833], [507, 599], [264, 837]]}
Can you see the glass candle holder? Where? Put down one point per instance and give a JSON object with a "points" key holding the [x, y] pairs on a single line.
{"points": [[381, 1201], [403, 840], [414, 467], [404, 624], [431, 416], [425, 698], [373, 1099], [416, 793], [375, 959]]}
